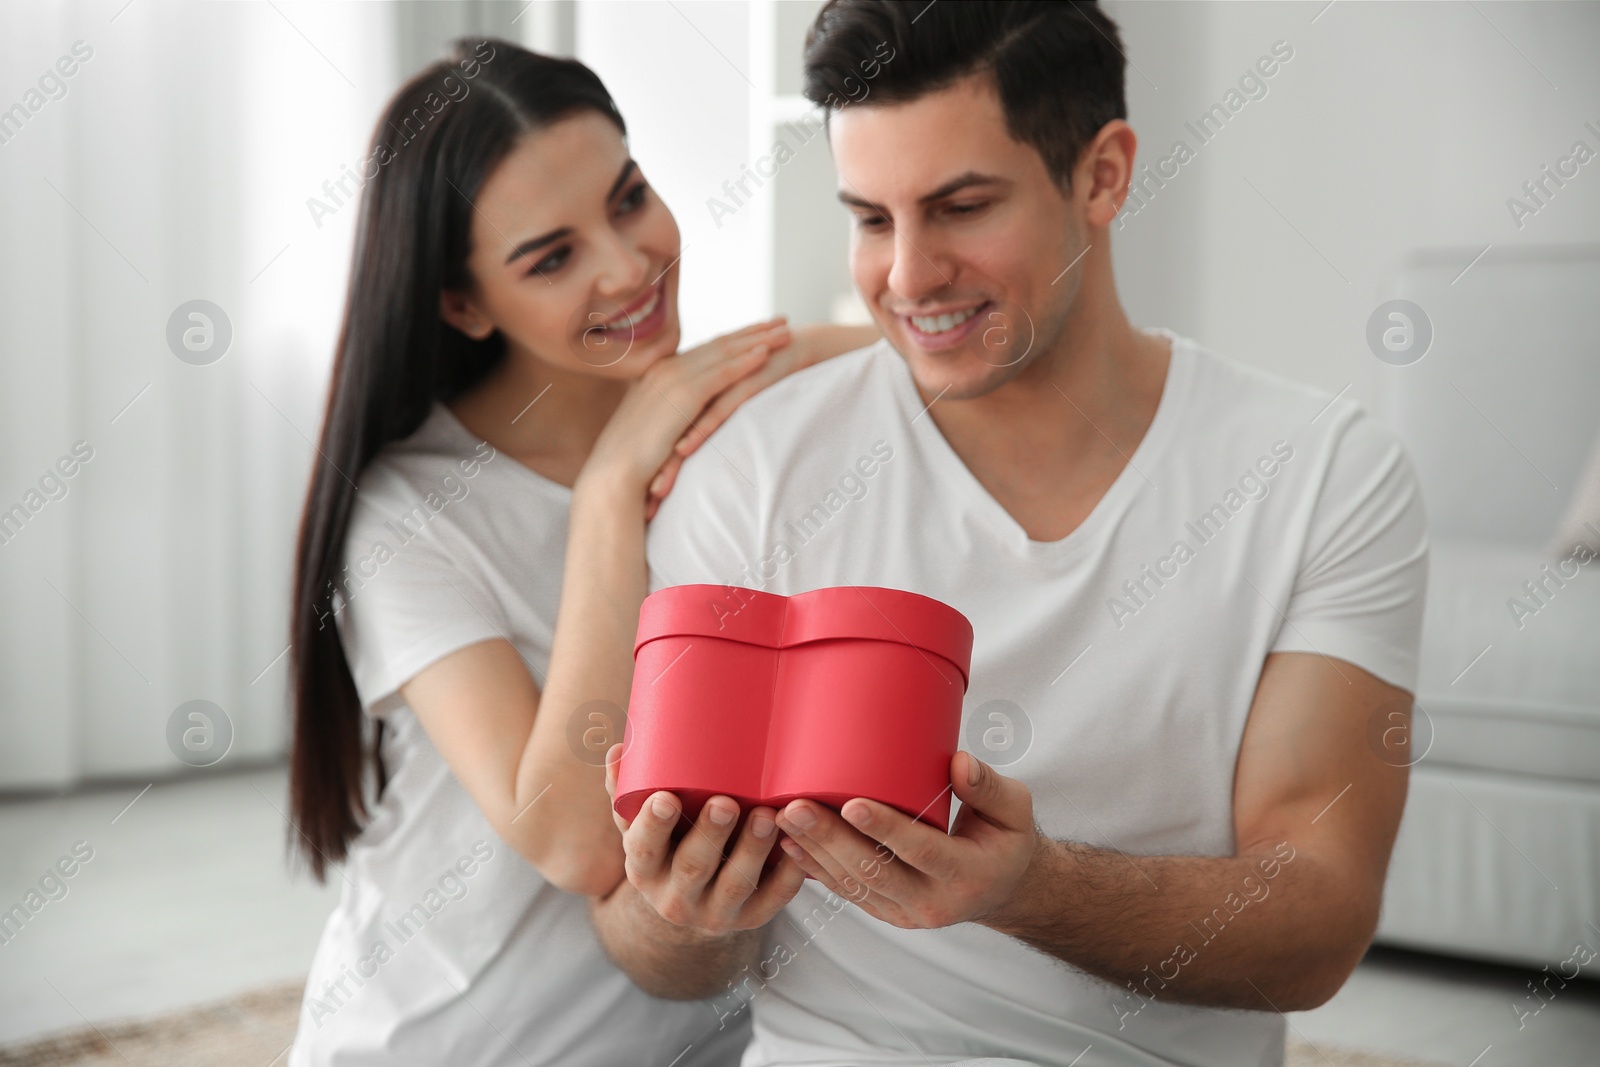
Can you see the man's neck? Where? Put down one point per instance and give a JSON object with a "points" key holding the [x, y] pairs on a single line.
{"points": [[1050, 442]]}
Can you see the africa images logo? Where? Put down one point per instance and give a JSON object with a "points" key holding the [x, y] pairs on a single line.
{"points": [[1254, 484]]}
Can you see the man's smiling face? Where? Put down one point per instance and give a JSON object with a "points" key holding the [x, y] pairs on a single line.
{"points": [[959, 236]]}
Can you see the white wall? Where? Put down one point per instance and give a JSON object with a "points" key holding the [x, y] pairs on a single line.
{"points": [[681, 76], [1394, 127]]}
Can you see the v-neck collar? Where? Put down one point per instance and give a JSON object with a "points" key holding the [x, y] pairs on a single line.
{"points": [[1130, 481], [452, 426]]}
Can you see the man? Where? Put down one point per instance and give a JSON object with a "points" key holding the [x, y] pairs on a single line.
{"points": [[1196, 593]]}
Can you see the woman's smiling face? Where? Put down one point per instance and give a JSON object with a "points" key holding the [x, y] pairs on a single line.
{"points": [[573, 256]]}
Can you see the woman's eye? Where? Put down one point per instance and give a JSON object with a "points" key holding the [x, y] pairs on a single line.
{"points": [[552, 262], [632, 200]]}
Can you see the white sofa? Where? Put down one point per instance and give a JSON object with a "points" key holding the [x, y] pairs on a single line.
{"points": [[1499, 851]]}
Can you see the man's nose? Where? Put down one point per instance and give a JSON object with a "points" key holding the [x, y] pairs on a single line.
{"points": [[917, 272]]}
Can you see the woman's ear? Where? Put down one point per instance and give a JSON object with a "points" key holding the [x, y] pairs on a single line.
{"points": [[459, 311]]}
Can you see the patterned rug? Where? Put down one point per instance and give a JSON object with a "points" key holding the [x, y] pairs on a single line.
{"points": [[254, 1030]]}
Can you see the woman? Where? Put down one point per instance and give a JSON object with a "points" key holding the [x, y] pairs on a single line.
{"points": [[509, 399]]}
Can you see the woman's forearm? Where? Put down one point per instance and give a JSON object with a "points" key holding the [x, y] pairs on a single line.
{"points": [[560, 783]]}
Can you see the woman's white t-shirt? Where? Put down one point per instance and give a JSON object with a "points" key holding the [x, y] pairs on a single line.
{"points": [[447, 947]]}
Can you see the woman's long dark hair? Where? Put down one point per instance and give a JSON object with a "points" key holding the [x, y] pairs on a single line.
{"points": [[438, 140]]}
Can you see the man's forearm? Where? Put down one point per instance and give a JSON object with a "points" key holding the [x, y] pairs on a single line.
{"points": [[1266, 930], [663, 959]]}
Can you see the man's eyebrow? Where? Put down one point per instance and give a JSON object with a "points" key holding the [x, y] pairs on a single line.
{"points": [[965, 181], [535, 243], [949, 188], [852, 200]]}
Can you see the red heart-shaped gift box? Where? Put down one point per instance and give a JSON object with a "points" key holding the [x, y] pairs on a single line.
{"points": [[835, 693]]}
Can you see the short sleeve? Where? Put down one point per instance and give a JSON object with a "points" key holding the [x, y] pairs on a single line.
{"points": [[1362, 579], [411, 603]]}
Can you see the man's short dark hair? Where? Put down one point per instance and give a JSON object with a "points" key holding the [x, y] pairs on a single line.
{"points": [[1058, 67]]}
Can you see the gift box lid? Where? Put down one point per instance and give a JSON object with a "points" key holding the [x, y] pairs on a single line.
{"points": [[861, 612]]}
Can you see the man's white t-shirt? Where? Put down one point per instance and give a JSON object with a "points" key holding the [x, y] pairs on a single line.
{"points": [[1112, 670], [447, 947]]}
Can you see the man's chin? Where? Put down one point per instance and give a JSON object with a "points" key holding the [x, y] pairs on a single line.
{"points": [[958, 375]]}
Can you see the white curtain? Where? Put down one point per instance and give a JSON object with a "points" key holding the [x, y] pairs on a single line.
{"points": [[173, 164], [155, 153]]}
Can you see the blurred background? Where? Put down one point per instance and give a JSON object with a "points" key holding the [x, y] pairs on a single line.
{"points": [[1407, 210]]}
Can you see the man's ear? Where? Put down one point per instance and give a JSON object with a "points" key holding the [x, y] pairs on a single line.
{"points": [[1106, 169], [459, 310]]}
